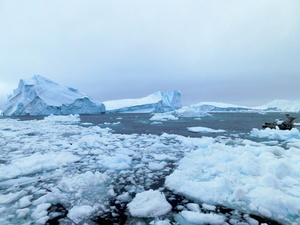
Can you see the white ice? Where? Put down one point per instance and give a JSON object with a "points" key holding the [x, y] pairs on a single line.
{"points": [[205, 130], [56, 160], [41, 96], [151, 203], [156, 102], [259, 179]]}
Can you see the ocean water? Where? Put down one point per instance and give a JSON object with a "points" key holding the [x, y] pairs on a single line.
{"points": [[137, 128]]}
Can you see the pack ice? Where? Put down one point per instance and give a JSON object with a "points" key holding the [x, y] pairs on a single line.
{"points": [[41, 96], [155, 103]]}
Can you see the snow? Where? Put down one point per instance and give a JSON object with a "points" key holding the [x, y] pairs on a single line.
{"points": [[204, 130], [150, 203], [41, 96], [156, 102]]}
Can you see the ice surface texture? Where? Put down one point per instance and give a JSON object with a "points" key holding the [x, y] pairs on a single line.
{"points": [[154, 103], [40, 96], [252, 177], [57, 161]]}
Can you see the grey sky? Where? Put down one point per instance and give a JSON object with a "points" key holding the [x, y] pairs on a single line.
{"points": [[235, 51]]}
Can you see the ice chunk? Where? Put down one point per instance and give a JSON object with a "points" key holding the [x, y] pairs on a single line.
{"points": [[87, 187], [63, 119], [11, 197], [201, 218], [204, 130], [149, 204], [190, 112], [157, 166], [209, 207], [25, 201], [41, 211], [276, 133], [79, 213], [36, 163], [250, 178], [125, 197], [116, 162], [163, 117], [193, 207]]}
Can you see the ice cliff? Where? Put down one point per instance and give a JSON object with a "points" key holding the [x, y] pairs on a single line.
{"points": [[40, 96], [154, 103]]}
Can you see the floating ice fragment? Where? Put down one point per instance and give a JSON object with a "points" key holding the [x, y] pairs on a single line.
{"points": [[204, 130], [209, 207], [149, 204], [193, 207], [63, 119], [157, 166], [80, 213], [201, 218], [163, 116]]}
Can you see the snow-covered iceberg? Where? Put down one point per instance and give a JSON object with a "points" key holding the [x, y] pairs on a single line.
{"points": [[218, 107], [282, 105], [41, 96], [154, 103], [276, 105]]}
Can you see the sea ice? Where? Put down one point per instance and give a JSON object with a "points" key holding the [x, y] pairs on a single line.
{"points": [[202, 218], [275, 134], [149, 204], [204, 130], [163, 116], [253, 179], [79, 213]]}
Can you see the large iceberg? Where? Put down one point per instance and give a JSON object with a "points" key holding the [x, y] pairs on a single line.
{"points": [[155, 103], [40, 96], [276, 105], [218, 107], [282, 105]]}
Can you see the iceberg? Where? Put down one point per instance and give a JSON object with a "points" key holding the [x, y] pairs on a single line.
{"points": [[218, 107], [273, 106], [157, 102], [40, 96], [282, 106]]}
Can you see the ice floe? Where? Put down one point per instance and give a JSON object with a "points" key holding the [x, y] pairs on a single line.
{"points": [[151, 203], [204, 130], [263, 180]]}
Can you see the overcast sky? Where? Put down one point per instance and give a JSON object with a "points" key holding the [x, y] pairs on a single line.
{"points": [[243, 52]]}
